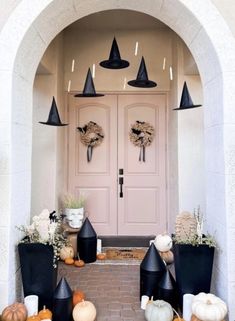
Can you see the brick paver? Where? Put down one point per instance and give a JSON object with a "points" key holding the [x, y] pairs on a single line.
{"points": [[114, 289]]}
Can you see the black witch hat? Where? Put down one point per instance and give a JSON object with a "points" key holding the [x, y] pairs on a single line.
{"points": [[152, 261], [87, 230], [186, 100], [142, 78], [54, 117], [63, 290], [114, 61], [89, 88]]}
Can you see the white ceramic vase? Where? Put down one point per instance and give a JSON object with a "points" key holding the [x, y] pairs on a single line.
{"points": [[75, 216]]}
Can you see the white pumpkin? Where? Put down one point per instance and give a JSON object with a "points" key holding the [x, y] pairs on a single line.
{"points": [[163, 242], [66, 252], [158, 310], [208, 307], [84, 311]]}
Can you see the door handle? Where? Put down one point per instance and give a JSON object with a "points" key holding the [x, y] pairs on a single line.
{"points": [[121, 171], [121, 181]]}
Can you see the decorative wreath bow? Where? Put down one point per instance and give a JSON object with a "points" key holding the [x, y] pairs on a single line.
{"points": [[91, 135], [141, 135]]}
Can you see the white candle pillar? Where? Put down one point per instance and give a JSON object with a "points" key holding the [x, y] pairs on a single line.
{"points": [[31, 303], [144, 301], [99, 246], [187, 306]]}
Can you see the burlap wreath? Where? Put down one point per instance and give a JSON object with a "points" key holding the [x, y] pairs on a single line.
{"points": [[141, 135], [91, 135]]}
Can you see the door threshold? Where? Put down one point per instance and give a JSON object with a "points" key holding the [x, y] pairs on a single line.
{"points": [[126, 240]]}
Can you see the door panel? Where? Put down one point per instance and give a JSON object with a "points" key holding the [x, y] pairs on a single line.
{"points": [[97, 179], [142, 210]]}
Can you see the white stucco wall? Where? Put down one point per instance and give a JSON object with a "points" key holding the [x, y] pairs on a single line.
{"points": [[48, 149], [213, 47]]}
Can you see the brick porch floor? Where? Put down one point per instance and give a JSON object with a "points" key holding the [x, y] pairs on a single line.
{"points": [[114, 289]]}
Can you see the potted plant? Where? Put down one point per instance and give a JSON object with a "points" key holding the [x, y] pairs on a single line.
{"points": [[74, 209], [193, 256], [39, 252]]}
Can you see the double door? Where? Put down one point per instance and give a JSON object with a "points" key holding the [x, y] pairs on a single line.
{"points": [[125, 195]]}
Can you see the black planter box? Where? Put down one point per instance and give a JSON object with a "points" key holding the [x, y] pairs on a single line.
{"points": [[38, 274], [193, 268]]}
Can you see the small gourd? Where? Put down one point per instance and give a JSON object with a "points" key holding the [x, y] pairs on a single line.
{"points": [[14, 312], [101, 256], [66, 252], [79, 263], [78, 296], [163, 242], [69, 261], [208, 307], [168, 256], [45, 313], [84, 311], [159, 310]]}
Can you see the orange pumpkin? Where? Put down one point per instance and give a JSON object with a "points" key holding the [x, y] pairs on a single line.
{"points": [[168, 256], [33, 318], [194, 318], [79, 263], [45, 313], [78, 296], [14, 312], [101, 256], [69, 261]]}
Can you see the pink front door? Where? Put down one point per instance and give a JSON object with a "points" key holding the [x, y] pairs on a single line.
{"points": [[141, 209]]}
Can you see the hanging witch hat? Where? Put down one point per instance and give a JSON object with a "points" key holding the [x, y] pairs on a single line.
{"points": [[142, 78], [54, 117], [89, 87], [114, 61], [186, 100]]}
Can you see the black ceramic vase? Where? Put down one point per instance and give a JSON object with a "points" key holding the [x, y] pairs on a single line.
{"points": [[152, 269], [87, 242], [38, 274], [63, 302], [193, 268]]}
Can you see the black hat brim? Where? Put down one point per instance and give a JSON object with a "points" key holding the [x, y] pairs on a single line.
{"points": [[115, 64], [188, 107], [52, 124], [142, 83], [88, 95]]}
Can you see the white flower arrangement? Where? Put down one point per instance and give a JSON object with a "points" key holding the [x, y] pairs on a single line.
{"points": [[45, 231]]}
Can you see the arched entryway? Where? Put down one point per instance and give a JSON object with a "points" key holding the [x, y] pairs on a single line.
{"points": [[205, 33]]}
